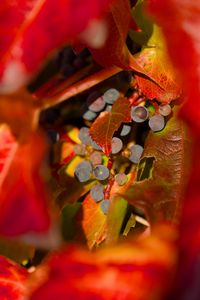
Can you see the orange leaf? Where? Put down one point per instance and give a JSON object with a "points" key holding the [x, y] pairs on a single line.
{"points": [[155, 61], [107, 123]]}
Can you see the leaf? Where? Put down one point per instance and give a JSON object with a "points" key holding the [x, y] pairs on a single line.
{"points": [[19, 110], [143, 270], [181, 32], [12, 280], [92, 222], [22, 188], [107, 123], [69, 212], [184, 15], [115, 51], [48, 23], [16, 250], [160, 195], [154, 59]]}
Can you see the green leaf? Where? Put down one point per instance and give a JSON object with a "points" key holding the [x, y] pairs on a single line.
{"points": [[115, 219], [68, 225]]}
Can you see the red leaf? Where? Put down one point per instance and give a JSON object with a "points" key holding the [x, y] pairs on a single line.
{"points": [[107, 123], [115, 51], [182, 36], [139, 272], [154, 59], [23, 197], [182, 28], [12, 280], [30, 30]]}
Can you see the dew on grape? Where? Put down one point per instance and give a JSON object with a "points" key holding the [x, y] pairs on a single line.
{"points": [[101, 172], [96, 158], [89, 115], [84, 136], [83, 171], [121, 178], [95, 102], [126, 129], [135, 153], [165, 110], [104, 205], [111, 95], [157, 123], [116, 145], [97, 192], [139, 114]]}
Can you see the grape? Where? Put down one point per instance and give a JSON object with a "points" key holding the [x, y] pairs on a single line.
{"points": [[84, 136], [95, 102], [165, 109], [96, 158], [139, 114], [95, 145], [101, 172], [83, 171], [111, 95], [121, 178], [80, 149], [126, 129], [136, 153], [89, 115], [104, 205], [108, 108], [157, 123], [97, 192], [116, 145]]}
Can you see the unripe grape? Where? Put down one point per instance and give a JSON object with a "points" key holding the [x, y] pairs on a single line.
{"points": [[89, 115], [101, 172], [104, 205], [121, 178], [126, 129], [136, 153], [97, 192], [165, 109], [111, 95], [116, 145], [95, 102], [139, 114], [157, 123], [83, 171]]}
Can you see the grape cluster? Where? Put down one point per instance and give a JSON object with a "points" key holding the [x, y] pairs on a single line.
{"points": [[95, 166]]}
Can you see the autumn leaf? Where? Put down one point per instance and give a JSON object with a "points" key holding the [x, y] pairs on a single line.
{"points": [[181, 32], [107, 123], [92, 222], [143, 270], [154, 59], [12, 280], [49, 24], [159, 193], [22, 188]]}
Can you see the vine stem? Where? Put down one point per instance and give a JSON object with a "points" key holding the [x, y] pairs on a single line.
{"points": [[78, 87]]}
